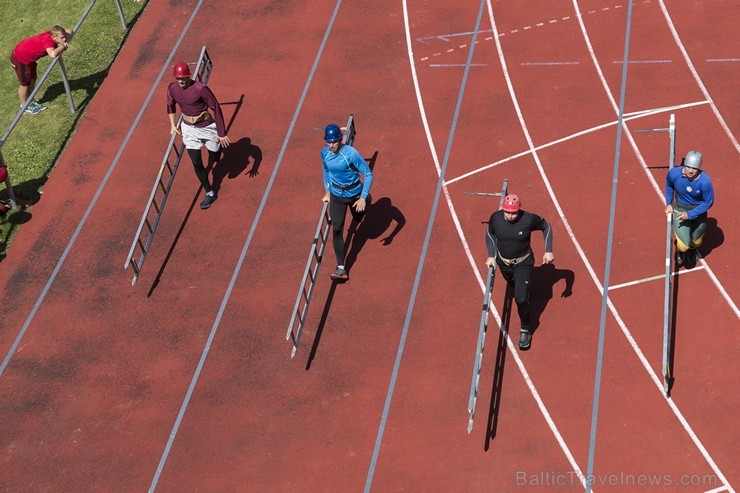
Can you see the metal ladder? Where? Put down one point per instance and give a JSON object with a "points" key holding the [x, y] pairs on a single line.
{"points": [[668, 295], [669, 262], [315, 255], [163, 183], [483, 326]]}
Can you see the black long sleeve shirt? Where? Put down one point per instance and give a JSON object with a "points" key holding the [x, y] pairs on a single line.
{"points": [[513, 238]]}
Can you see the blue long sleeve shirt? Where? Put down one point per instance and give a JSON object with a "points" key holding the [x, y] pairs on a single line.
{"points": [[698, 192], [343, 169]]}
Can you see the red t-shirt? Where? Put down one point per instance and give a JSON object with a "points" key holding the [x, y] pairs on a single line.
{"points": [[31, 49]]}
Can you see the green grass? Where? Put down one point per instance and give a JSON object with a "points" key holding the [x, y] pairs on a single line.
{"points": [[38, 141]]}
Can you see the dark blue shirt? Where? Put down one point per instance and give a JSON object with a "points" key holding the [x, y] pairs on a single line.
{"points": [[698, 192]]}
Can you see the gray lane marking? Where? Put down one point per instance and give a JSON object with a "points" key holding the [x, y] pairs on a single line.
{"points": [[420, 267], [235, 274], [94, 200], [607, 268]]}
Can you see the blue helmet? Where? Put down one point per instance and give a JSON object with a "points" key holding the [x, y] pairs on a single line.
{"points": [[332, 133]]}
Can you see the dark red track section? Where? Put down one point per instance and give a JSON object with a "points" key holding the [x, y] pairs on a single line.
{"points": [[91, 394]]}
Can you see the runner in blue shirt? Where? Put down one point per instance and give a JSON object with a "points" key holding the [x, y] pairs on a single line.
{"points": [[688, 196], [343, 166]]}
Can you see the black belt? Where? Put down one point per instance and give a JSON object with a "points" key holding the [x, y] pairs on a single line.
{"points": [[348, 187], [683, 207]]}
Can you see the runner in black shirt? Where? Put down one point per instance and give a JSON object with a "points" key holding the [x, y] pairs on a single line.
{"points": [[507, 240]]}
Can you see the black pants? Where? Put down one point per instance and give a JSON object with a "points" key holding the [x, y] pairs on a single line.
{"points": [[337, 210], [519, 275], [200, 171]]}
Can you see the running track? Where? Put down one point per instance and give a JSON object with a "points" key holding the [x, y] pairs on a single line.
{"points": [[105, 388]]}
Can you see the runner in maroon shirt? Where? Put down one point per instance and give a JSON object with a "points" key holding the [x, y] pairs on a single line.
{"points": [[200, 127], [28, 51]]}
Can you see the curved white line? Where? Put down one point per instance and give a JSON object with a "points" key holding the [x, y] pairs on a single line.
{"points": [[632, 116], [469, 255], [638, 154], [622, 325], [698, 80]]}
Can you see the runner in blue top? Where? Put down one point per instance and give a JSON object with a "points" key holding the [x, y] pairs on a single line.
{"points": [[688, 196], [343, 166]]}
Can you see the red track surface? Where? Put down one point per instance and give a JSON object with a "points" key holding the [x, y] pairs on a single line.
{"points": [[92, 392]]}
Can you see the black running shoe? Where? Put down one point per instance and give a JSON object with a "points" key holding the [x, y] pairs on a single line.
{"points": [[690, 258], [680, 257], [207, 201], [525, 339]]}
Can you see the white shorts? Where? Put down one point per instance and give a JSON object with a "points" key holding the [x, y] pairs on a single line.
{"points": [[195, 137]]}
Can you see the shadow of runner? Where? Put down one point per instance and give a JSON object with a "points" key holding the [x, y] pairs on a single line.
{"points": [[378, 218], [235, 160], [322, 323], [713, 238], [541, 288], [498, 370]]}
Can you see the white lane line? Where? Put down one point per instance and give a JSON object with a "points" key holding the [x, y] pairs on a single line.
{"points": [[653, 278], [628, 116], [658, 384], [638, 154], [469, 255], [527, 64], [698, 80]]}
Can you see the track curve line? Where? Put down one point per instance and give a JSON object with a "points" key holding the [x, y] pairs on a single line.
{"points": [[520, 364]]}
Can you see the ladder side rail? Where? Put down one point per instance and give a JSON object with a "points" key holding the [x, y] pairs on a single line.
{"points": [[668, 270], [202, 73], [155, 222], [319, 254], [478, 363], [152, 195], [306, 271], [481, 342]]}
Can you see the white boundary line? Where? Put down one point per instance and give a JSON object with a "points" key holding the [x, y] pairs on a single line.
{"points": [[652, 278], [717, 490], [694, 73], [469, 255], [632, 116], [622, 326], [637, 152]]}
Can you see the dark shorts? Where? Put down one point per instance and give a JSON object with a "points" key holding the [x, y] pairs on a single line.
{"points": [[25, 73]]}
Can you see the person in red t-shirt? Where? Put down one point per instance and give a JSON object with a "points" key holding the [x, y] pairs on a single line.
{"points": [[28, 51]]}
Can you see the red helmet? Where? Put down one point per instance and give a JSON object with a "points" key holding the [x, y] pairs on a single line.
{"points": [[3, 173], [511, 203], [181, 70]]}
